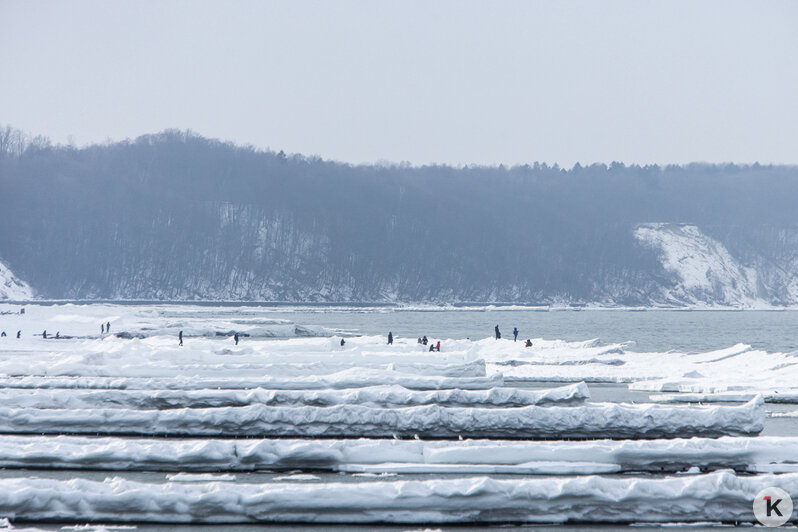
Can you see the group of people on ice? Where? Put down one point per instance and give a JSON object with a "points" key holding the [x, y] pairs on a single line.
{"points": [[437, 346], [498, 334]]}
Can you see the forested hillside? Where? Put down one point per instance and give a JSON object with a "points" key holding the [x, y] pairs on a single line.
{"points": [[178, 216]]}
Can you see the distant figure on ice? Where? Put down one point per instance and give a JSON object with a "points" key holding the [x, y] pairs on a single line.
{"points": [[19, 334], [431, 348], [180, 337], [235, 337], [390, 338], [3, 334], [22, 310], [44, 334], [498, 334], [108, 327], [528, 343], [58, 334], [515, 334], [424, 340], [419, 339], [102, 328], [438, 347], [343, 342]]}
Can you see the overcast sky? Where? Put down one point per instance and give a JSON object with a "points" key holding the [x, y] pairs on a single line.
{"points": [[452, 82]]}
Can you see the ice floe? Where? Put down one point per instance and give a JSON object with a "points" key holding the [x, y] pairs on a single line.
{"points": [[769, 396], [610, 420], [351, 378], [373, 396], [718, 497], [775, 454]]}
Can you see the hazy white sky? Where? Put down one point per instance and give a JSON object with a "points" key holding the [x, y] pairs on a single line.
{"points": [[429, 81]]}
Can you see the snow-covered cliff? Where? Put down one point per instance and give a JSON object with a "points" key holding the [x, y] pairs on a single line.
{"points": [[11, 287], [704, 272]]}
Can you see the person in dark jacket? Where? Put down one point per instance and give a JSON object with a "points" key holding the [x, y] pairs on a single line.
{"points": [[424, 340], [44, 334], [102, 328], [515, 334], [180, 337], [390, 338], [19, 334], [342, 342], [235, 337], [528, 343], [498, 334], [108, 327]]}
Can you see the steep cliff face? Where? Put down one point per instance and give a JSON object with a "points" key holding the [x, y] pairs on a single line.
{"points": [[701, 268], [11, 287], [174, 216]]}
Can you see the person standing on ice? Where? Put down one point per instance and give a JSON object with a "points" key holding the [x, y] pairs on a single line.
{"points": [[498, 334], [342, 342], [235, 337], [390, 338], [44, 334], [19, 334], [102, 328], [3, 334], [108, 327], [424, 340], [438, 347], [180, 337], [515, 334]]}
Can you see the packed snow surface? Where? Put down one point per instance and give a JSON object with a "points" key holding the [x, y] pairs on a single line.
{"points": [[719, 497], [431, 421]]}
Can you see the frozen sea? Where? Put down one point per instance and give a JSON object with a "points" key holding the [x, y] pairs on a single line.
{"points": [[654, 361]]}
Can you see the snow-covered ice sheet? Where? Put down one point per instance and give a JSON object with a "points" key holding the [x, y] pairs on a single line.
{"points": [[206, 356], [351, 378], [719, 497], [775, 454], [770, 396], [81, 367], [374, 396], [431, 421], [200, 477]]}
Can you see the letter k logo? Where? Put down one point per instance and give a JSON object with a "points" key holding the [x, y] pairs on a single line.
{"points": [[772, 506]]}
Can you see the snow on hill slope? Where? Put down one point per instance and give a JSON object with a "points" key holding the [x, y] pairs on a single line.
{"points": [[703, 270], [11, 287]]}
